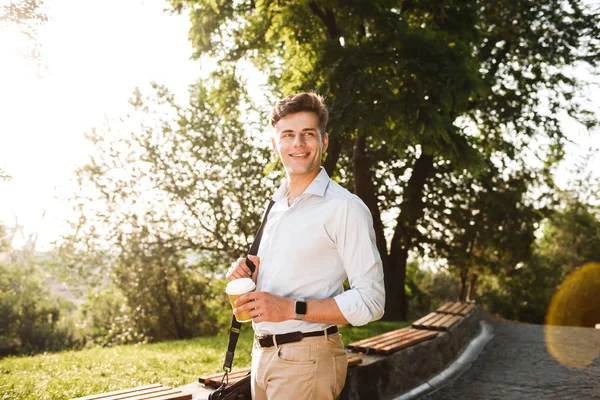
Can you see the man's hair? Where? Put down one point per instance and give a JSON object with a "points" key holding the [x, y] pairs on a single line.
{"points": [[294, 103]]}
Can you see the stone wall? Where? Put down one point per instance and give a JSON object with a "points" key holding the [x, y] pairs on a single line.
{"points": [[385, 377]]}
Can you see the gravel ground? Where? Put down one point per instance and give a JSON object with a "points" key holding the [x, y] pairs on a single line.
{"points": [[516, 364]]}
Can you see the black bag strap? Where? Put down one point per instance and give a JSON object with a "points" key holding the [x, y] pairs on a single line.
{"points": [[254, 248], [234, 330]]}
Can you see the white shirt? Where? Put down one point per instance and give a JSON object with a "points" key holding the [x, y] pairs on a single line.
{"points": [[309, 248]]}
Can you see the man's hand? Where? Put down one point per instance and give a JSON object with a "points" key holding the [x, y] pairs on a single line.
{"points": [[265, 306], [239, 269]]}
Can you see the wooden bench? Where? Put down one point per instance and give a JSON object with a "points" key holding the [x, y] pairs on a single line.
{"points": [[437, 321], [444, 317], [154, 392], [391, 342], [456, 308], [214, 380]]}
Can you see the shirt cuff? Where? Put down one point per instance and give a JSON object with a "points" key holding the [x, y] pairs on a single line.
{"points": [[355, 309]]}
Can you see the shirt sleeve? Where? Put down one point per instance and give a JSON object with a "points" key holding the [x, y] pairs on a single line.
{"points": [[355, 240]]}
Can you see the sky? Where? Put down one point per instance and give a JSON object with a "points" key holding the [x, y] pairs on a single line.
{"points": [[95, 53]]}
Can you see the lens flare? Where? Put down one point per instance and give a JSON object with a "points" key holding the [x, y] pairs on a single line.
{"points": [[575, 304]]}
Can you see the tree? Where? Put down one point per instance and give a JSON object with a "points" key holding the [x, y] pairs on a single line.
{"points": [[32, 319], [4, 176], [482, 225], [27, 17], [569, 240], [172, 196], [411, 84], [570, 237]]}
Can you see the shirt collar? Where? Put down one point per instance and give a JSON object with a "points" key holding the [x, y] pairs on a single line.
{"points": [[317, 187]]}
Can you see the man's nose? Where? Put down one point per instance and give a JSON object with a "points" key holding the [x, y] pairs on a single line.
{"points": [[299, 140]]}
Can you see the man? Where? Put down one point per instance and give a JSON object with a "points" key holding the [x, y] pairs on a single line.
{"points": [[317, 235]]}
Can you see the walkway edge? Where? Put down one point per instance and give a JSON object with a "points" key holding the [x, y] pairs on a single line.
{"points": [[457, 368]]}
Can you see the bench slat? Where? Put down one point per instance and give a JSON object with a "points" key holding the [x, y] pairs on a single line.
{"points": [[370, 342], [440, 321], [387, 341], [232, 375], [118, 392], [454, 309], [155, 392], [445, 307], [168, 395], [450, 322], [418, 333], [429, 322], [353, 360], [402, 345], [425, 319], [467, 309], [383, 335], [146, 393], [216, 382]]}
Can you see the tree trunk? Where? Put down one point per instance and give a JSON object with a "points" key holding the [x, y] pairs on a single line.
{"points": [[472, 286], [333, 154], [405, 234], [179, 328], [365, 189], [464, 273]]}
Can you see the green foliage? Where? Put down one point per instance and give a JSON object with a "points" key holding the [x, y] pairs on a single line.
{"points": [[414, 85], [482, 224], [4, 242], [106, 319], [523, 295], [97, 370], [172, 196], [569, 239], [428, 289], [32, 319]]}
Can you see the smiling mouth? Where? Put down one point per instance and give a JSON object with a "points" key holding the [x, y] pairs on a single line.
{"points": [[299, 155]]}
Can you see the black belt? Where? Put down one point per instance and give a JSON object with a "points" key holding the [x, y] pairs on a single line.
{"points": [[267, 340]]}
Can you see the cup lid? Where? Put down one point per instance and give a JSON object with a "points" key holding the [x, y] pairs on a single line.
{"points": [[240, 286]]}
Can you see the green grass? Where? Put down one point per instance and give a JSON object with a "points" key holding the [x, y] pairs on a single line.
{"points": [[80, 373]]}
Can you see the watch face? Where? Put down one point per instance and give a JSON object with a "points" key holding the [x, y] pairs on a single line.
{"points": [[301, 307]]}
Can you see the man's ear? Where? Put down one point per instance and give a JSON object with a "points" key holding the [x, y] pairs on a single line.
{"points": [[274, 146], [325, 142]]}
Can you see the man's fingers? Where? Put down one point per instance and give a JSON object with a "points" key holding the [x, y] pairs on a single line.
{"points": [[255, 260], [238, 269], [247, 298]]}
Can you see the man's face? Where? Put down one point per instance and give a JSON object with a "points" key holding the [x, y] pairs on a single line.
{"points": [[299, 144]]}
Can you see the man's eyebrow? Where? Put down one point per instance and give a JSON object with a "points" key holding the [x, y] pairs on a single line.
{"points": [[303, 130]]}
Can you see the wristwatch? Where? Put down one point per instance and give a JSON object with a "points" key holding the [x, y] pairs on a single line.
{"points": [[300, 309]]}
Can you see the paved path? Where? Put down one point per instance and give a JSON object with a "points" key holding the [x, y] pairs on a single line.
{"points": [[516, 364]]}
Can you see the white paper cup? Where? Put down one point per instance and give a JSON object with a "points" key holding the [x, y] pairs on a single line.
{"points": [[235, 289]]}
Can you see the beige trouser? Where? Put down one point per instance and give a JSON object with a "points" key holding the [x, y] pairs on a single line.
{"points": [[312, 369]]}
